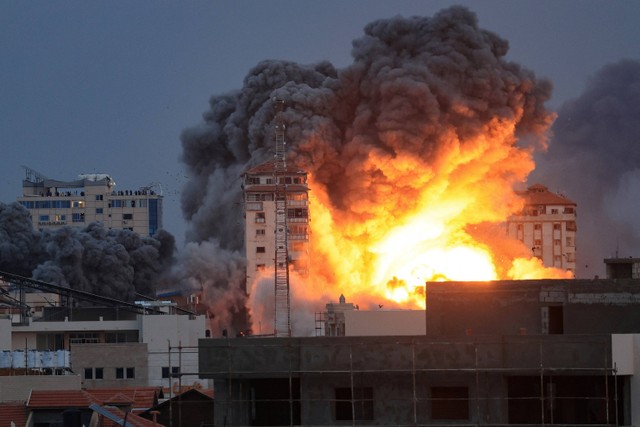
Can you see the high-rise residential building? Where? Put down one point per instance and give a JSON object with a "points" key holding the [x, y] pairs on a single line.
{"points": [[260, 218], [547, 225], [90, 198]]}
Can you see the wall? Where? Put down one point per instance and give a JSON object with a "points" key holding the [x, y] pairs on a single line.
{"points": [[109, 357], [384, 322], [181, 333], [402, 371], [602, 306], [18, 387]]}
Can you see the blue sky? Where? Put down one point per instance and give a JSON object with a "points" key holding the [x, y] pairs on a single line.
{"points": [[108, 87]]}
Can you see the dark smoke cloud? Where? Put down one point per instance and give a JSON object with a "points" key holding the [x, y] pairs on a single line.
{"points": [[112, 263], [414, 83], [594, 159]]}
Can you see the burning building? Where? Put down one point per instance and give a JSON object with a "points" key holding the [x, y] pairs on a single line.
{"points": [[547, 225], [412, 155]]}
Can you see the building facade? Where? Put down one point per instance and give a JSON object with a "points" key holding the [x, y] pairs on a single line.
{"points": [[90, 198], [547, 225], [259, 184], [503, 353]]}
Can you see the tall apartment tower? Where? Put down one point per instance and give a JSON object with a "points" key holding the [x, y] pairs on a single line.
{"points": [[260, 218], [90, 198], [547, 225]]}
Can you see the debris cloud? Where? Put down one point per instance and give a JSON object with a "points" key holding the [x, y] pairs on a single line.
{"points": [[412, 151]]}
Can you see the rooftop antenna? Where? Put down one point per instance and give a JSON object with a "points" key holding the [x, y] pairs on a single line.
{"points": [[282, 296], [33, 175]]}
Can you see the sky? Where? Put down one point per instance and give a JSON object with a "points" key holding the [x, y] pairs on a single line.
{"points": [[108, 87]]}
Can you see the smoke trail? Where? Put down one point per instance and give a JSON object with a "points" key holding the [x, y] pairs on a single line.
{"points": [[429, 107], [112, 263], [594, 159]]}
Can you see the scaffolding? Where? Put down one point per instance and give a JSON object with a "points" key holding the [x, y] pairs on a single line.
{"points": [[350, 382], [282, 297]]}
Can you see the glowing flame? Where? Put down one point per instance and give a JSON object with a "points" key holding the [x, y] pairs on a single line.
{"points": [[423, 221]]}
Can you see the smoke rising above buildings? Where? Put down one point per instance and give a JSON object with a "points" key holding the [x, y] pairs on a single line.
{"points": [[594, 159], [429, 111], [112, 263]]}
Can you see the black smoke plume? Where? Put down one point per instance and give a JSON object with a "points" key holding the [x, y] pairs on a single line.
{"points": [[594, 159], [417, 87], [112, 263]]}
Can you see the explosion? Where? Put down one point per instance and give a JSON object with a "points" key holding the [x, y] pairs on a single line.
{"points": [[413, 153]]}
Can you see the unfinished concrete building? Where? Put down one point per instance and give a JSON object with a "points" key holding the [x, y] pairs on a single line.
{"points": [[544, 352]]}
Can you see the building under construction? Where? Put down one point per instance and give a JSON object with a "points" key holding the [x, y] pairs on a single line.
{"points": [[540, 352]]}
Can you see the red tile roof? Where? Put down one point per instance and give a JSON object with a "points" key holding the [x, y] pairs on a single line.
{"points": [[140, 398], [538, 194], [49, 399], [13, 412], [269, 167], [132, 419]]}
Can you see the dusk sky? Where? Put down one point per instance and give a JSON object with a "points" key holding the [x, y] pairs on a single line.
{"points": [[107, 87]]}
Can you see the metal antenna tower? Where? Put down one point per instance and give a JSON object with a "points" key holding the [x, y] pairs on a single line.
{"points": [[282, 298]]}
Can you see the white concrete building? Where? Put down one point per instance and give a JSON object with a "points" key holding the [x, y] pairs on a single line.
{"points": [[260, 219], [547, 225], [90, 198], [140, 350]]}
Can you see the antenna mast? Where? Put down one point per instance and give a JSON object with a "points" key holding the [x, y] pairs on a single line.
{"points": [[282, 297]]}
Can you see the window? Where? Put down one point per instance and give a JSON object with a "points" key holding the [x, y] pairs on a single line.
{"points": [[99, 197], [127, 216], [557, 226], [537, 227], [297, 213], [260, 267], [98, 210], [260, 249], [258, 197], [84, 338], [122, 336], [554, 211], [78, 204], [254, 206], [260, 217], [174, 370], [556, 242], [362, 404], [125, 373], [260, 232], [571, 226], [93, 373], [570, 241], [253, 180], [43, 218], [569, 210], [77, 217], [449, 403]]}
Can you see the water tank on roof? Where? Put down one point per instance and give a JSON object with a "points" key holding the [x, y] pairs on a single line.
{"points": [[5, 359], [62, 359], [47, 359], [17, 360], [34, 359]]}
